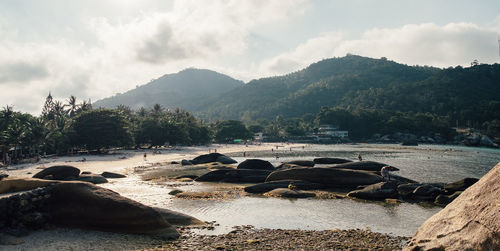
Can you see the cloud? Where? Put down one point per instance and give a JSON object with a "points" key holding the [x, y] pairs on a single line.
{"points": [[415, 44], [21, 72]]}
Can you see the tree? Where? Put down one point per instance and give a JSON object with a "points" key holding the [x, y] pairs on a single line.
{"points": [[73, 106], [228, 130], [101, 128]]}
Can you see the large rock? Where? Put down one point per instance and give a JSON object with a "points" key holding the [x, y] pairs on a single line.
{"points": [[225, 160], [186, 162], [308, 163], [84, 205], [206, 158], [460, 185], [444, 199], [92, 178], [406, 190], [235, 176], [268, 186], [111, 175], [362, 165], [178, 219], [256, 164], [331, 161], [426, 192], [59, 173], [470, 222], [331, 177], [378, 191], [10, 185], [287, 193]]}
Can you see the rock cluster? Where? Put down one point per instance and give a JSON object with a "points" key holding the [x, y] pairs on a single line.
{"points": [[66, 172]]}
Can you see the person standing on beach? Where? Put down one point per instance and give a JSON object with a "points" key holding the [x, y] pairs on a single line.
{"points": [[145, 155], [360, 158], [385, 173]]}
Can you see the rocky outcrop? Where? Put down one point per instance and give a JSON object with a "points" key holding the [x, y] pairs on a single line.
{"points": [[331, 161], [58, 173], [287, 193], [213, 157], [178, 219], [92, 178], [378, 191], [256, 164], [470, 222], [10, 185], [460, 185], [235, 176], [444, 199], [331, 177], [186, 162], [425, 192], [225, 160], [111, 175], [362, 165], [268, 186], [308, 163], [84, 205]]}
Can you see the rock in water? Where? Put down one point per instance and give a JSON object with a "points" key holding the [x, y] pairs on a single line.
{"points": [[287, 193], [362, 165], [268, 186], [111, 175], [59, 172], [470, 222], [378, 191], [331, 161], [235, 176], [331, 177], [84, 205], [92, 178], [460, 185], [186, 162], [256, 164], [178, 219], [206, 158]]}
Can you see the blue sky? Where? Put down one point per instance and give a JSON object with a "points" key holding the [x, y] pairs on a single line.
{"points": [[96, 48]]}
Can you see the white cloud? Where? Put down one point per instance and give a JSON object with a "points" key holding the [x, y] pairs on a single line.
{"points": [[422, 44]]}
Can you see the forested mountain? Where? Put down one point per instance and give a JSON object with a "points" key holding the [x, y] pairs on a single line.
{"points": [[189, 89]]}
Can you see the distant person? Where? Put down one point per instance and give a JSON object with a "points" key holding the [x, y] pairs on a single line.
{"points": [[145, 157], [277, 157], [292, 186], [385, 172], [84, 159], [360, 158], [244, 154]]}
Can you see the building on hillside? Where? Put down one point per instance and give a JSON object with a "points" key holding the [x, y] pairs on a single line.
{"points": [[259, 137], [330, 131]]}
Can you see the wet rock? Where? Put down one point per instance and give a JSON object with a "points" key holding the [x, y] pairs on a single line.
{"points": [[257, 164], [177, 218], [470, 222], [286, 166], [378, 191], [86, 172], [236, 176], [268, 186], [426, 192], [92, 178], [62, 172], [175, 191], [405, 190], [460, 185], [308, 163], [287, 193], [225, 160], [362, 165], [3, 175], [111, 175], [185, 162], [331, 177], [206, 158], [331, 161], [444, 199], [84, 205]]}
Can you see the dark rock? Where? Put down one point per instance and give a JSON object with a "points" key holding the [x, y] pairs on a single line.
{"points": [[178, 219], [406, 190], [268, 186], [256, 164], [331, 161], [175, 191], [443, 199], [426, 192], [362, 165], [111, 175], [460, 185], [331, 177], [84, 205], [225, 160], [287, 193], [174, 162], [206, 158], [235, 176], [378, 191], [3, 175], [92, 178], [401, 179], [308, 163], [59, 172], [11, 185], [286, 165], [185, 162], [86, 172]]}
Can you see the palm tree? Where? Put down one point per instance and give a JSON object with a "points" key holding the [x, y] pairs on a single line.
{"points": [[73, 106], [86, 106]]}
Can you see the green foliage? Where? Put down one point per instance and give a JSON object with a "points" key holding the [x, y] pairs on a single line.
{"points": [[228, 130]]}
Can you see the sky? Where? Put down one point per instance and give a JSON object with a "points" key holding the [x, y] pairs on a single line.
{"points": [[96, 48]]}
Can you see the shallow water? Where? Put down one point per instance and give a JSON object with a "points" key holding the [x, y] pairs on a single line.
{"points": [[422, 163]]}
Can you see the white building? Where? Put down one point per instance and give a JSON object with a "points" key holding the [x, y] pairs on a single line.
{"points": [[331, 131]]}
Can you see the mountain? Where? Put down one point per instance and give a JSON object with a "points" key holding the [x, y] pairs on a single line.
{"points": [[189, 89]]}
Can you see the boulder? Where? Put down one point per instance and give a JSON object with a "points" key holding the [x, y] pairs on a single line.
{"points": [[444, 199], [378, 191], [3, 175], [406, 190], [186, 162], [256, 164], [470, 222], [426, 192], [86, 172], [235, 176], [286, 165], [308, 163], [287, 193], [206, 158], [84, 205], [111, 175], [400, 179], [225, 160], [92, 178], [268, 186], [362, 165], [59, 172], [331, 177], [178, 219], [331, 161], [10, 185], [460, 185]]}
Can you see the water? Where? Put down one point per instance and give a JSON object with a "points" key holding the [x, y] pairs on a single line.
{"points": [[427, 163]]}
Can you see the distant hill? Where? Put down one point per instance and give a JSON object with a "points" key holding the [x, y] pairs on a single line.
{"points": [[189, 89]]}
